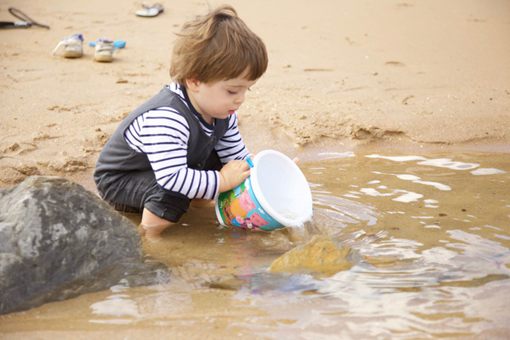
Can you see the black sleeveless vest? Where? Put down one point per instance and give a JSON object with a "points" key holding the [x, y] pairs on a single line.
{"points": [[117, 155]]}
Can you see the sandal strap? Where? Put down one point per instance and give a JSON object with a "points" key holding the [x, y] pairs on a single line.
{"points": [[25, 18]]}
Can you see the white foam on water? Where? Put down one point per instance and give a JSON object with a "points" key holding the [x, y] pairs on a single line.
{"points": [[113, 321], [437, 185], [449, 164], [336, 155], [487, 171], [408, 197], [405, 197], [352, 194], [423, 217], [116, 305], [441, 163], [407, 177], [431, 203], [119, 288], [416, 179], [374, 193], [503, 237], [395, 212], [493, 227], [432, 226], [398, 158]]}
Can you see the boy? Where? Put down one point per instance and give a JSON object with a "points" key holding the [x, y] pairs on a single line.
{"points": [[184, 143]]}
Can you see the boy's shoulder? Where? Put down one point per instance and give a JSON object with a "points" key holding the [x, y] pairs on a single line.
{"points": [[170, 99], [176, 89]]}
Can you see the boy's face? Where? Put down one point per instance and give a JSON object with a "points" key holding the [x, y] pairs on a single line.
{"points": [[218, 99]]}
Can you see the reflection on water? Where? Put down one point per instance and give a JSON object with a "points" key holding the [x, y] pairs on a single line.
{"points": [[430, 240]]}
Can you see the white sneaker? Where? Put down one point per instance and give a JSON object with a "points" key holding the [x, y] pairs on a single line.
{"points": [[70, 47], [104, 50]]}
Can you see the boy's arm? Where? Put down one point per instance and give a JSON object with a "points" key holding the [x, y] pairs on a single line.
{"points": [[231, 145], [162, 134]]}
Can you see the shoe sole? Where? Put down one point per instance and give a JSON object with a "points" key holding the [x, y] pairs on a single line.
{"points": [[72, 51], [103, 58], [72, 54]]}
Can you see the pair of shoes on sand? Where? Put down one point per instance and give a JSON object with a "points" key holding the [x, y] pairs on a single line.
{"points": [[72, 47]]}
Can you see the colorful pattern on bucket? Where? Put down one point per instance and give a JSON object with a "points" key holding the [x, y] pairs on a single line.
{"points": [[239, 208]]}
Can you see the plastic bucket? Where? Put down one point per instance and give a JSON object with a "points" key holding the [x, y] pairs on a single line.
{"points": [[276, 195]]}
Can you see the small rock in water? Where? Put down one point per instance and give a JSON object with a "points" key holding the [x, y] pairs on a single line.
{"points": [[320, 256]]}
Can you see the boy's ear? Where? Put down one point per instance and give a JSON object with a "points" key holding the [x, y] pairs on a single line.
{"points": [[192, 84]]}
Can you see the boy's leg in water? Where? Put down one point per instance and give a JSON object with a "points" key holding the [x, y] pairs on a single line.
{"points": [[139, 191], [152, 225]]}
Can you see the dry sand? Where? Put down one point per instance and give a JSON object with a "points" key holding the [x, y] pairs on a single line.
{"points": [[342, 74]]}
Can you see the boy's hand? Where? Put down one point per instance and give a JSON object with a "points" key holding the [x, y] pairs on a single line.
{"points": [[232, 174]]}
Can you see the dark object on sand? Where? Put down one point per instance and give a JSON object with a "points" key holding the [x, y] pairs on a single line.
{"points": [[58, 240], [24, 22]]}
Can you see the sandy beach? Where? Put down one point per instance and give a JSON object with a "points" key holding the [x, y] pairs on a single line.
{"points": [[429, 232], [341, 75]]}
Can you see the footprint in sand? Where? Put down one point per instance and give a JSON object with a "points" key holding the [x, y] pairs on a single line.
{"points": [[59, 108], [43, 136], [394, 63], [96, 143], [10, 175], [67, 165], [318, 69], [19, 148], [101, 137]]}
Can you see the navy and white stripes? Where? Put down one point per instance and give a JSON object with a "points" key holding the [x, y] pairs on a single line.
{"points": [[162, 134]]}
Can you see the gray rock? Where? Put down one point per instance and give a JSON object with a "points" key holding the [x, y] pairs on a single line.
{"points": [[57, 241]]}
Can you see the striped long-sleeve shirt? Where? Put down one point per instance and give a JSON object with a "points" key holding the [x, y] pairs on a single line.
{"points": [[162, 134]]}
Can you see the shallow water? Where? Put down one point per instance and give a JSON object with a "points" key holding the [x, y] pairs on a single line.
{"points": [[430, 252]]}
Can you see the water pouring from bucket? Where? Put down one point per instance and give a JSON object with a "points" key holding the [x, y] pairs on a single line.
{"points": [[276, 195]]}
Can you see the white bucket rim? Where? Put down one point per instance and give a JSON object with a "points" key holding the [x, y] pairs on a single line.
{"points": [[287, 222]]}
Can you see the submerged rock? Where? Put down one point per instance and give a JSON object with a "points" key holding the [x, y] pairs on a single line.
{"points": [[58, 240], [261, 282], [319, 256]]}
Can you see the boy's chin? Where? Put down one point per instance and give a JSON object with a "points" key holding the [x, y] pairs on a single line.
{"points": [[222, 116]]}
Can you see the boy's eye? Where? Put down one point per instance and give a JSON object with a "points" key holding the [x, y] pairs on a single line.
{"points": [[231, 92]]}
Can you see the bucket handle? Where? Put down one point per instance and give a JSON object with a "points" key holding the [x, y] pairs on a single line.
{"points": [[249, 161]]}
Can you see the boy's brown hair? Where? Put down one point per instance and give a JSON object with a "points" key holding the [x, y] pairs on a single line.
{"points": [[217, 46]]}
